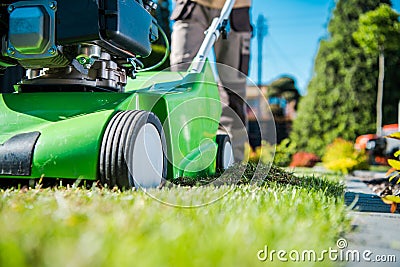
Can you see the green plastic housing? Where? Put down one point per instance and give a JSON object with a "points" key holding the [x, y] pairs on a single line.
{"points": [[72, 124]]}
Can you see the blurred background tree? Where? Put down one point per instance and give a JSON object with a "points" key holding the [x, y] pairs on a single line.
{"points": [[341, 96], [378, 32]]}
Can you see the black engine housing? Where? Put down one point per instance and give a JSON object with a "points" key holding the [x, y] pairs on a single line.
{"points": [[117, 25], [122, 28]]}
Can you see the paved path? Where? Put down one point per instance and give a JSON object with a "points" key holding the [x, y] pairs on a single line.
{"points": [[375, 228]]}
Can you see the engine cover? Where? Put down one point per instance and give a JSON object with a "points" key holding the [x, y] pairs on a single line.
{"points": [[31, 35], [38, 30], [117, 25], [31, 30]]}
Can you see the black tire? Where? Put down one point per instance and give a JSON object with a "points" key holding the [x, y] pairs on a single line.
{"points": [[222, 140], [118, 144]]}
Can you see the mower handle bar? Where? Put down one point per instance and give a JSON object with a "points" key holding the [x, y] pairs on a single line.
{"points": [[211, 36]]}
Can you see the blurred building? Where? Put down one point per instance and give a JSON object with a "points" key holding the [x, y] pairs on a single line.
{"points": [[278, 100], [258, 116]]}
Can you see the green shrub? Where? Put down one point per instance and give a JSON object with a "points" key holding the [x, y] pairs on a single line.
{"points": [[284, 152], [341, 156], [282, 157], [262, 153]]}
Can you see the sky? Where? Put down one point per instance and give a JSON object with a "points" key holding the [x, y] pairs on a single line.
{"points": [[295, 28]]}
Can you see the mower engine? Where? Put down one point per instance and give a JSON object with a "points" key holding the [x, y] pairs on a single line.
{"points": [[90, 44]]}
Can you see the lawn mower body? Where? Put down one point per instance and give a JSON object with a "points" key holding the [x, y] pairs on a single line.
{"points": [[80, 76], [69, 126]]}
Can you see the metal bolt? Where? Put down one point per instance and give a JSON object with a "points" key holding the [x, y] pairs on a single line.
{"points": [[153, 5], [53, 5], [150, 6], [11, 51], [52, 51], [10, 8]]}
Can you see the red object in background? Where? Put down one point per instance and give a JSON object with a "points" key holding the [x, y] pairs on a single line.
{"points": [[381, 160], [379, 148], [390, 128], [362, 140], [304, 159]]}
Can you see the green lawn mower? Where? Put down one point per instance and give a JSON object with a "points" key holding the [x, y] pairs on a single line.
{"points": [[88, 109]]}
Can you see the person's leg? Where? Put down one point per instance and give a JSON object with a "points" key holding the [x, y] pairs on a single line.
{"points": [[187, 35], [235, 54], [191, 20]]}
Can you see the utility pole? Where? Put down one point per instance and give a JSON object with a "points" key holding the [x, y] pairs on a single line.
{"points": [[262, 31]]}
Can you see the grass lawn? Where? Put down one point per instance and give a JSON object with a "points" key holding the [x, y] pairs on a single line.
{"points": [[101, 227]]}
